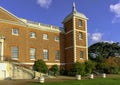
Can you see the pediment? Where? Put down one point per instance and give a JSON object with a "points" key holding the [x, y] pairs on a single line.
{"points": [[6, 15]]}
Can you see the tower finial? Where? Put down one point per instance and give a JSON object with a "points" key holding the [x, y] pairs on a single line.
{"points": [[74, 8]]}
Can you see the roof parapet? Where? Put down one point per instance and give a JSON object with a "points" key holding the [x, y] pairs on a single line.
{"points": [[41, 25]]}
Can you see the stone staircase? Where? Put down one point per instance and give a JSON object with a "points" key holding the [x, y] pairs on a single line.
{"points": [[16, 70], [20, 72]]}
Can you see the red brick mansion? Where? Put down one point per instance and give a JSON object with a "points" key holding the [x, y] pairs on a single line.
{"points": [[26, 41]]}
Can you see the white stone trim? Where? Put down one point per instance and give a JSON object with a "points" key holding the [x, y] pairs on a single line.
{"points": [[12, 22], [86, 40], [80, 30], [69, 47], [43, 28], [32, 59], [14, 58], [56, 63], [2, 48], [81, 46], [68, 32], [33, 63], [74, 38], [12, 15], [2, 51]]}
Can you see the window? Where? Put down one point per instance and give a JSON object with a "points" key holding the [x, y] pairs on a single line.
{"points": [[15, 31], [45, 54], [80, 23], [14, 52], [81, 54], [45, 36], [56, 38], [80, 36], [32, 35], [32, 53], [57, 55]]}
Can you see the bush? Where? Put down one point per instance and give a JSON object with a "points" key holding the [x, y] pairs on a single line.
{"points": [[40, 66], [79, 68], [55, 69], [100, 67], [63, 71], [89, 66]]}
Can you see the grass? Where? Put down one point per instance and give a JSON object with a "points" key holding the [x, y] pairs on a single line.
{"points": [[97, 81]]}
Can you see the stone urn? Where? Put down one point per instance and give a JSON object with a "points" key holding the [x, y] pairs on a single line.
{"points": [[41, 79], [91, 76], [103, 75], [78, 77]]}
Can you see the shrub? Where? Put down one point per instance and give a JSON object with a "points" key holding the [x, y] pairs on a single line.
{"points": [[100, 67], [63, 71], [89, 66], [40, 66], [55, 69], [79, 68]]}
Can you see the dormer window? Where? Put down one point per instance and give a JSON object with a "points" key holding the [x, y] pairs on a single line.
{"points": [[80, 23]]}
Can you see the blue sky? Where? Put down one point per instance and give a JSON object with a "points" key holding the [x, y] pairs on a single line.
{"points": [[104, 15]]}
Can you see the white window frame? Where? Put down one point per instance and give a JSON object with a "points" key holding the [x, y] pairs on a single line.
{"points": [[56, 38], [32, 35], [81, 54], [45, 36], [80, 35], [45, 54], [15, 31], [80, 23], [57, 55], [14, 52], [32, 53]]}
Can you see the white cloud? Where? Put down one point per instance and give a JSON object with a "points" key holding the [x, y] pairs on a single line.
{"points": [[44, 3], [109, 41], [116, 10], [96, 37]]}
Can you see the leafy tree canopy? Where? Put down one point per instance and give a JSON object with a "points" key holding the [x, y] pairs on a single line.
{"points": [[103, 50]]}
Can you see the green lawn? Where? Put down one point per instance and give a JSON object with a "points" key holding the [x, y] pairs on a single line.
{"points": [[97, 81]]}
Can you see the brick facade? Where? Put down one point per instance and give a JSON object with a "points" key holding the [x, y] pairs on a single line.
{"points": [[68, 43]]}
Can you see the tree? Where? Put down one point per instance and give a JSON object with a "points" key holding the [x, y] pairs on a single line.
{"points": [[40, 66], [55, 69], [106, 56], [112, 65], [102, 50]]}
